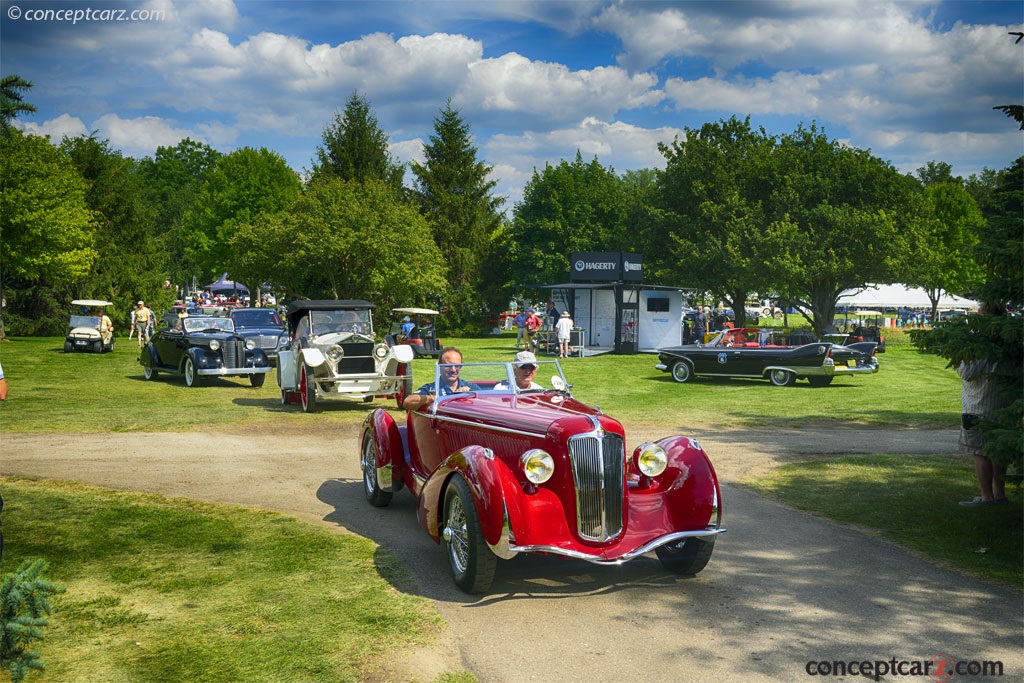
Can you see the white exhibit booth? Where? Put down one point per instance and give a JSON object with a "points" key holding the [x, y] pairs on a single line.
{"points": [[612, 311]]}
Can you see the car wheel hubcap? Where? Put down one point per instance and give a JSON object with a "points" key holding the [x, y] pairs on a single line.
{"points": [[456, 537]]}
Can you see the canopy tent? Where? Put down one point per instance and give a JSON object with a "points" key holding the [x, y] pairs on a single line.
{"points": [[226, 285], [898, 296]]}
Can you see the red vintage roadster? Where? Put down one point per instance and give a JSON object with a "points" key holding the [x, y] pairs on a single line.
{"points": [[500, 470]]}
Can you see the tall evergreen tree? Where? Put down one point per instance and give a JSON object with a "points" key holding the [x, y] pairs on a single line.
{"points": [[355, 148], [455, 195], [11, 102]]}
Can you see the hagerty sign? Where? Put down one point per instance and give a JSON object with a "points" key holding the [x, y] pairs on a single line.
{"points": [[614, 266]]}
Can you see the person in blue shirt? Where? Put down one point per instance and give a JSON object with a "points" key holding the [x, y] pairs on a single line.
{"points": [[450, 361], [407, 326], [520, 323]]}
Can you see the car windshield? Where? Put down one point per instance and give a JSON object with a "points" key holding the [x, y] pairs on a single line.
{"points": [[256, 317], [84, 321], [353, 321], [504, 377], [209, 324]]}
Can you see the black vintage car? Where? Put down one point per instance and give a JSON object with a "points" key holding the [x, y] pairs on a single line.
{"points": [[202, 346], [265, 325], [750, 352]]}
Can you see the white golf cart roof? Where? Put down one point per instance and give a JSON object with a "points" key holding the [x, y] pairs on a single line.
{"points": [[416, 311], [90, 302]]}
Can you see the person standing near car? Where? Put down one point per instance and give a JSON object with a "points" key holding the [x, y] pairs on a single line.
{"points": [[450, 361], [533, 324], [141, 320], [106, 327], [700, 325]]}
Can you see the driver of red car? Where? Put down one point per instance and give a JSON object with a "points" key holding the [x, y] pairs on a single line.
{"points": [[449, 360]]}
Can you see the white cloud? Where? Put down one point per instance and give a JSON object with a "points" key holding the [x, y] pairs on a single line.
{"points": [[141, 137], [513, 83], [56, 128]]}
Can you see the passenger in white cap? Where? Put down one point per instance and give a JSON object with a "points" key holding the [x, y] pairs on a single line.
{"points": [[524, 369]]}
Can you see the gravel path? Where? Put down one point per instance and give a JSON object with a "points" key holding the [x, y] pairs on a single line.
{"points": [[782, 589]]}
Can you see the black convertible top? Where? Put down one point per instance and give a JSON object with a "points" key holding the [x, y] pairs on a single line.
{"points": [[297, 309]]}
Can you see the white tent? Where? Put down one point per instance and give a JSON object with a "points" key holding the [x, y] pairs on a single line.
{"points": [[899, 296]]}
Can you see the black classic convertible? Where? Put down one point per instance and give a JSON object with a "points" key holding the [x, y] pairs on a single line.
{"points": [[750, 352], [201, 346]]}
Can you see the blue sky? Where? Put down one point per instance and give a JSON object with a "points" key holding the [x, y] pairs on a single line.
{"points": [[913, 81]]}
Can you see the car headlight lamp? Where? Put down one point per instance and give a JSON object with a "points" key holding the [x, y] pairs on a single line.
{"points": [[380, 351], [214, 344], [250, 343], [651, 459], [335, 353], [538, 465]]}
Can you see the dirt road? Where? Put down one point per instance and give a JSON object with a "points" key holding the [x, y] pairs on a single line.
{"points": [[782, 589]]}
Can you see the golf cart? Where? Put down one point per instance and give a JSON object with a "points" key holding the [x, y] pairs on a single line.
{"points": [[415, 327], [84, 332]]}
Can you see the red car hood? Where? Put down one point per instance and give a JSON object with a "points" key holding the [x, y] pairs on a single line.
{"points": [[529, 413]]}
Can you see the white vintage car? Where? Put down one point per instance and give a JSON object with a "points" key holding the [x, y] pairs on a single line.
{"points": [[332, 352]]}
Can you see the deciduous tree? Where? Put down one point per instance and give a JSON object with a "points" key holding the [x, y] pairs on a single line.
{"points": [[47, 231]]}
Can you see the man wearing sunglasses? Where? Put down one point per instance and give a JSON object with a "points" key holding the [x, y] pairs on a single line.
{"points": [[449, 360], [524, 369]]}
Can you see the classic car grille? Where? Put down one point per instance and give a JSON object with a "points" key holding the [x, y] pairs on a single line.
{"points": [[598, 464], [358, 359], [268, 341], [233, 353]]}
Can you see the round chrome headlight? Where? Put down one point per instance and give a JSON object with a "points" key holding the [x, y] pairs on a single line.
{"points": [[335, 353], [380, 351], [651, 459], [538, 465], [214, 344], [250, 343]]}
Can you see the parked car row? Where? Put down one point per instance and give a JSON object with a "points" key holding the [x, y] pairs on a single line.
{"points": [[754, 352]]}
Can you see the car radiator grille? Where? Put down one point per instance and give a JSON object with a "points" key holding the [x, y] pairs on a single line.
{"points": [[268, 341], [598, 464], [233, 353]]}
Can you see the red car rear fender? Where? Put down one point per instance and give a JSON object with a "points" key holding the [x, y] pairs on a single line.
{"points": [[491, 481], [390, 451]]}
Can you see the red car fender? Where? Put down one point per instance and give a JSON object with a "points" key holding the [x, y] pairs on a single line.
{"points": [[689, 483], [390, 451], [494, 487]]}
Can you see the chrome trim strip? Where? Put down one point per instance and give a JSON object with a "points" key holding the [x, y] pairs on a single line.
{"points": [[503, 548], [632, 555], [234, 371]]}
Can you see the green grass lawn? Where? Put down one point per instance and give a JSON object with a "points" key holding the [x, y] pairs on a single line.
{"points": [[172, 590], [914, 502], [54, 391]]}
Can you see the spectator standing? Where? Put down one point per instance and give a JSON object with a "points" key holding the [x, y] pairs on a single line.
{"points": [[563, 332], [106, 327], [700, 325], [981, 400], [141, 321], [551, 313], [520, 323], [533, 323], [3, 385]]}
